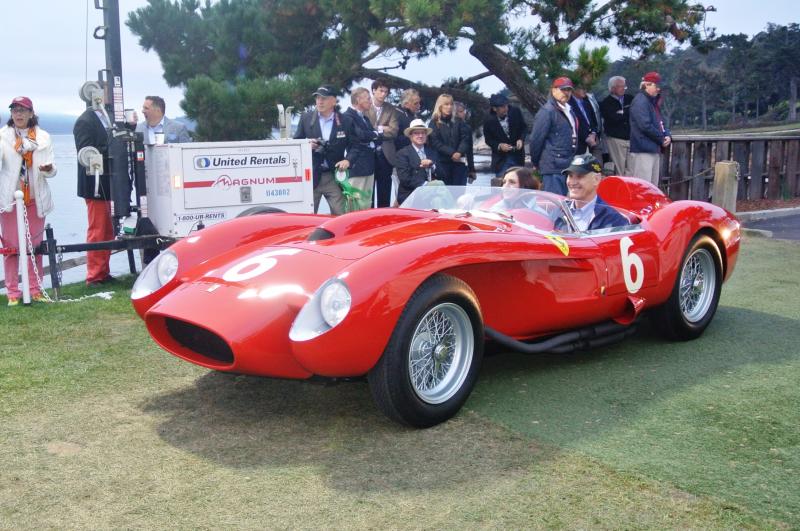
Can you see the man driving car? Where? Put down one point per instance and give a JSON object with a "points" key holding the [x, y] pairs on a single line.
{"points": [[588, 209]]}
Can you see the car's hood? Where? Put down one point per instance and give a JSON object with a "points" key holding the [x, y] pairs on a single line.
{"points": [[355, 235]]}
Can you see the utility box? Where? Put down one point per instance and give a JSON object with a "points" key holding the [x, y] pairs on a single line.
{"points": [[210, 182]]}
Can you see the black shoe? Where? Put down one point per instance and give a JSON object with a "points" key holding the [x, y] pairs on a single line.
{"points": [[107, 280]]}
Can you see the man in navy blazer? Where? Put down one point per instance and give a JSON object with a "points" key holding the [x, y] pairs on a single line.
{"points": [[91, 129], [415, 162], [363, 139], [589, 211]]}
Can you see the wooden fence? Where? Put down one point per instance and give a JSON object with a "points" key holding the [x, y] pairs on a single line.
{"points": [[768, 165]]}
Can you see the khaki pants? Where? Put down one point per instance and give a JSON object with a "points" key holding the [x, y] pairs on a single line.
{"points": [[646, 166], [618, 149], [365, 185], [329, 188]]}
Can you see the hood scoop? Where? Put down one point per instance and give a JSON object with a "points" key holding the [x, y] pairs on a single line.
{"points": [[320, 234]]}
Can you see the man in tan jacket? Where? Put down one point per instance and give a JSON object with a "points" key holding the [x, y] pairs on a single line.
{"points": [[384, 118]]}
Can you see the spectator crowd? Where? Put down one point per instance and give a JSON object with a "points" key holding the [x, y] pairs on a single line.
{"points": [[380, 152]]}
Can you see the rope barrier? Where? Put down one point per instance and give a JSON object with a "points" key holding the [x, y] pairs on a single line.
{"points": [[707, 171]]}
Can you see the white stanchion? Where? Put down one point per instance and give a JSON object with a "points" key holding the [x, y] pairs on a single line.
{"points": [[23, 247]]}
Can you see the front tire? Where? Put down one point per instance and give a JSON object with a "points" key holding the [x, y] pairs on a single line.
{"points": [[695, 296], [432, 360]]}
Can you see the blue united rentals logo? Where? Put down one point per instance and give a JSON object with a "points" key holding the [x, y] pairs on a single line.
{"points": [[235, 161]]}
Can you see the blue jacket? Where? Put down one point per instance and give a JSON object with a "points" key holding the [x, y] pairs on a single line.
{"points": [[605, 216], [646, 132], [360, 151], [552, 146]]}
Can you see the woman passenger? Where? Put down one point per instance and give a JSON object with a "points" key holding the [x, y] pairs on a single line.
{"points": [[515, 181]]}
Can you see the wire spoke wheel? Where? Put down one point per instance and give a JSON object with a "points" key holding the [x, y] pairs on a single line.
{"points": [[440, 353], [697, 285], [431, 362]]}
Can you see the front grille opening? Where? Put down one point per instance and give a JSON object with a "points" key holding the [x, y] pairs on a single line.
{"points": [[199, 340]]}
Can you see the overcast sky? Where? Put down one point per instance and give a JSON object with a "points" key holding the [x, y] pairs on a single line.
{"points": [[46, 52]]}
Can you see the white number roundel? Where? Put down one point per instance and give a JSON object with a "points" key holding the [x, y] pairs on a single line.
{"points": [[255, 265], [631, 261]]}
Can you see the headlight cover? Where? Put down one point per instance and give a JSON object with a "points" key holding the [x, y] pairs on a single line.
{"points": [[324, 310], [157, 273], [334, 302]]}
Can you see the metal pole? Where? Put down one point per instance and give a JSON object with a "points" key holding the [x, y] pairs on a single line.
{"points": [[23, 247], [54, 265]]}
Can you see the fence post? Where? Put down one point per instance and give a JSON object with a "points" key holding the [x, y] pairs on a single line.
{"points": [[725, 185]]}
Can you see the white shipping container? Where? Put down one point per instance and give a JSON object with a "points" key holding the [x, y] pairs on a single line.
{"points": [[217, 181]]}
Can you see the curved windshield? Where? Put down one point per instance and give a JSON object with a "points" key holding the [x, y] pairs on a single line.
{"points": [[542, 210]]}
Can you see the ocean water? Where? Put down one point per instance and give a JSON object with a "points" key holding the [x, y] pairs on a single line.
{"points": [[68, 218]]}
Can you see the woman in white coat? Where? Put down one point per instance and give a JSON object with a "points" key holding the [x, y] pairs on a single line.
{"points": [[26, 160]]}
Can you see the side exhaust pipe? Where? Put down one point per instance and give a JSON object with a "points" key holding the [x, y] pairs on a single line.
{"points": [[591, 336]]}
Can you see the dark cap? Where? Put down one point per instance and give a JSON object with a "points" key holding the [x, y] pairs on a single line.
{"points": [[498, 100], [22, 101], [583, 164], [562, 82], [652, 77], [325, 91]]}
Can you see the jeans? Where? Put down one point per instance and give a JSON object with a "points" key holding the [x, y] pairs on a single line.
{"points": [[555, 183]]}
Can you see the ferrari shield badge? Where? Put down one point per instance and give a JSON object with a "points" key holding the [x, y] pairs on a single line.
{"points": [[559, 242]]}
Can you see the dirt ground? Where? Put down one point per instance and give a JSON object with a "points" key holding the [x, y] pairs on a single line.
{"points": [[750, 205]]}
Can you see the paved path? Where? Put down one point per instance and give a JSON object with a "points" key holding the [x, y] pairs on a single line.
{"points": [[785, 228]]}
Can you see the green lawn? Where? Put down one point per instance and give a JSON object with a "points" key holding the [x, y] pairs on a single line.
{"points": [[101, 429]]}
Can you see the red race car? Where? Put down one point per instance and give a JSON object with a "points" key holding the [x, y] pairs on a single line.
{"points": [[408, 296]]}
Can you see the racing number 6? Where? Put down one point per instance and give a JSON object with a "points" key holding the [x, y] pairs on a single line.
{"points": [[631, 261], [255, 265]]}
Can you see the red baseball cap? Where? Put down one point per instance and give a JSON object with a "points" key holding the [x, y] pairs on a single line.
{"points": [[562, 82], [652, 77], [22, 101]]}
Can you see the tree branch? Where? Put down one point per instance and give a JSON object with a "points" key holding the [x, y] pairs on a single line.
{"points": [[509, 72], [590, 20], [473, 79], [472, 99]]}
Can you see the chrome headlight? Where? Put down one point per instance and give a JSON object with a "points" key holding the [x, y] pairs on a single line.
{"points": [[324, 310], [334, 302], [157, 273]]}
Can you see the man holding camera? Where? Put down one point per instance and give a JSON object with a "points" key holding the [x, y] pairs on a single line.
{"points": [[327, 129]]}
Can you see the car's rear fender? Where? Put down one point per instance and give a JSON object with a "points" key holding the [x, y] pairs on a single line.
{"points": [[676, 224]]}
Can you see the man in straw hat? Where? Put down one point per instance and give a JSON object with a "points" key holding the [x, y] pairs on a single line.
{"points": [[415, 163]]}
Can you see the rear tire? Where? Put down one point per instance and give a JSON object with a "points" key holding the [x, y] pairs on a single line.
{"points": [[695, 296], [432, 360]]}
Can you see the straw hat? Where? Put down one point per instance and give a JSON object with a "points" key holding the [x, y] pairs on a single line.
{"points": [[417, 125]]}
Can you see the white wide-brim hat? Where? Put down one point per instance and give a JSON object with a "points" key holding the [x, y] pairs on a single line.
{"points": [[417, 125]]}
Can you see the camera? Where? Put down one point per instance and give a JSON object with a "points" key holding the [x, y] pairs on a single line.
{"points": [[322, 145]]}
